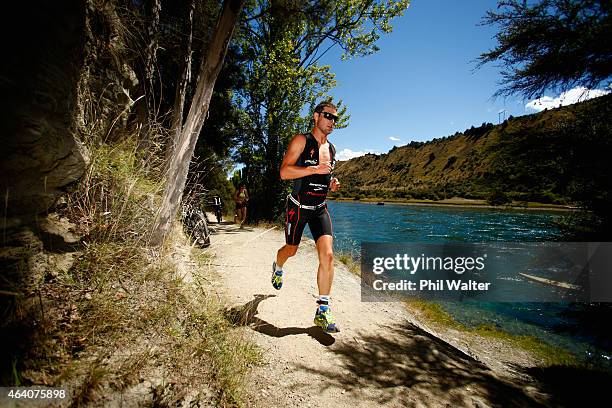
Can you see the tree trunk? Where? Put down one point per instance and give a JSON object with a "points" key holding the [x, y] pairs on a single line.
{"points": [[151, 55], [179, 163], [272, 183], [181, 89], [153, 10]]}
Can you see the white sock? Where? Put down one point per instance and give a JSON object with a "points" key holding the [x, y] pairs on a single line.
{"points": [[278, 268], [323, 300]]}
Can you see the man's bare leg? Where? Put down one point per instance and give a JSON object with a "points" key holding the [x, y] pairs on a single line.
{"points": [[282, 255], [325, 273], [325, 278], [286, 252]]}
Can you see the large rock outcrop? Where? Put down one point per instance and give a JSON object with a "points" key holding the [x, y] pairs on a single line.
{"points": [[39, 153]]}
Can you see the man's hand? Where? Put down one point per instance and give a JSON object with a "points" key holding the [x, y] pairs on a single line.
{"points": [[321, 168], [334, 184]]}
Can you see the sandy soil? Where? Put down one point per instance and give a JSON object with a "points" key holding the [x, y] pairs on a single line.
{"points": [[382, 356]]}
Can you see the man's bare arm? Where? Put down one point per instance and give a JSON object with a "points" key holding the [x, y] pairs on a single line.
{"points": [[290, 171], [334, 184]]}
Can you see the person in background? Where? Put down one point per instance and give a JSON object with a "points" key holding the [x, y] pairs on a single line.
{"points": [[241, 198], [218, 207]]}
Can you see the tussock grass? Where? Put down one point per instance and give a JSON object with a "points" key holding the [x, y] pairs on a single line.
{"points": [[433, 313], [127, 322], [549, 355], [115, 201], [350, 260]]}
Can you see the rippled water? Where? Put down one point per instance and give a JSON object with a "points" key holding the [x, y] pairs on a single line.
{"points": [[555, 323], [356, 222]]}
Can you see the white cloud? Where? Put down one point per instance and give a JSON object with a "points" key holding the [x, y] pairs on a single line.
{"points": [[347, 154], [395, 139], [578, 94]]}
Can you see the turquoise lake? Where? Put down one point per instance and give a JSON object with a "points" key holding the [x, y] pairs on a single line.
{"points": [[558, 324]]}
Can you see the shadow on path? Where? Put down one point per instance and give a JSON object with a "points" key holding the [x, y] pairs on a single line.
{"points": [[227, 227], [408, 366], [245, 316]]}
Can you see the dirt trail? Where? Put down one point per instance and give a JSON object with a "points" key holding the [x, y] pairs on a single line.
{"points": [[380, 357]]}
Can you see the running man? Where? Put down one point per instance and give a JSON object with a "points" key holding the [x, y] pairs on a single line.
{"points": [[308, 162]]}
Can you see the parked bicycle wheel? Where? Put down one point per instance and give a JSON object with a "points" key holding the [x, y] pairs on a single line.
{"points": [[196, 225]]}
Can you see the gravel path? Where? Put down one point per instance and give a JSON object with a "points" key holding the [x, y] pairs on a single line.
{"points": [[382, 356]]}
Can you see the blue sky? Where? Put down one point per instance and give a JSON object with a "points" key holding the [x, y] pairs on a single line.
{"points": [[422, 83]]}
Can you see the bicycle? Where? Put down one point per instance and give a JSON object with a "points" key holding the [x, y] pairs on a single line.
{"points": [[196, 224]]}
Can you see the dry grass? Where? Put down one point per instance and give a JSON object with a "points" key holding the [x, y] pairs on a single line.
{"points": [[263, 224], [125, 323], [350, 260]]}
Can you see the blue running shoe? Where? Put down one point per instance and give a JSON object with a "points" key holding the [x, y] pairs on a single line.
{"points": [[324, 319], [277, 277]]}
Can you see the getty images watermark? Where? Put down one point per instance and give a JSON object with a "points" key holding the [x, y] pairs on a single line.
{"points": [[501, 271], [412, 264]]}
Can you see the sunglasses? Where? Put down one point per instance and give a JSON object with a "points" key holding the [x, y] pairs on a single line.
{"points": [[329, 116]]}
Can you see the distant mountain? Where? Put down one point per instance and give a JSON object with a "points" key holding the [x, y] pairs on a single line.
{"points": [[557, 156]]}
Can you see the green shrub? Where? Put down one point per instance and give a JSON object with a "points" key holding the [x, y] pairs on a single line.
{"points": [[498, 197]]}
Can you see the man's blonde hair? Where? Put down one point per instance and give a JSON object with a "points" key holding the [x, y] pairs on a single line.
{"points": [[325, 104]]}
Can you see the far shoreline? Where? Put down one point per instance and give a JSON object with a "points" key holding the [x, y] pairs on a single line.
{"points": [[465, 203]]}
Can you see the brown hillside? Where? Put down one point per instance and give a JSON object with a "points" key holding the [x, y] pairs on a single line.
{"points": [[536, 157]]}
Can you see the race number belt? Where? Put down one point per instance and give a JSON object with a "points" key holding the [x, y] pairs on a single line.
{"points": [[306, 207]]}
